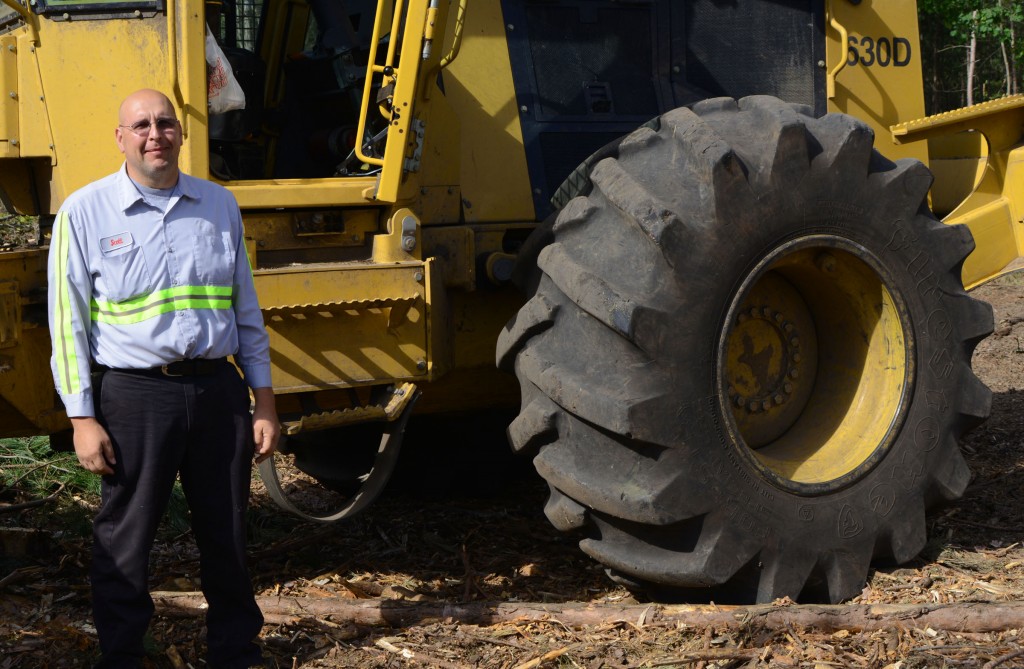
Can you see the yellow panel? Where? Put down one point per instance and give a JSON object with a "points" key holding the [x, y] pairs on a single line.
{"points": [[82, 98], [958, 164], [345, 324], [455, 246], [28, 404], [992, 226], [275, 193], [474, 382], [37, 139], [440, 354], [189, 72], [9, 132], [881, 83], [438, 196], [80, 95], [479, 85], [996, 219]]}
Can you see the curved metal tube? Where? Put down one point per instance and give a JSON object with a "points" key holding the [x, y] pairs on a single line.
{"points": [[172, 56], [371, 488], [460, 23], [844, 38], [25, 14], [368, 85]]}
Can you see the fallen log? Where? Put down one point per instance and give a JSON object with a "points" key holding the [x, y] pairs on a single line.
{"points": [[958, 617]]}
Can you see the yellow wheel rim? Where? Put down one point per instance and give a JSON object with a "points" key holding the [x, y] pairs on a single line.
{"points": [[814, 364]]}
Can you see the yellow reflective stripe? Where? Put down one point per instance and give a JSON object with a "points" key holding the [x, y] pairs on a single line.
{"points": [[159, 296], [248, 260], [159, 302], [67, 354]]}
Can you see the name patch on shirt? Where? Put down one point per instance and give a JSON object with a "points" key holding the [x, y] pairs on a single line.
{"points": [[116, 243]]}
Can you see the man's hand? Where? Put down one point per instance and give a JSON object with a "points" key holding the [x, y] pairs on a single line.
{"points": [[265, 426], [93, 446]]}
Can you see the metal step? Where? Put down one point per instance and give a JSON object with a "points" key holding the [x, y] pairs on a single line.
{"points": [[388, 410]]}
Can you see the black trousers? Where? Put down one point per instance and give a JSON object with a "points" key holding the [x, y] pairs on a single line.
{"points": [[199, 428]]}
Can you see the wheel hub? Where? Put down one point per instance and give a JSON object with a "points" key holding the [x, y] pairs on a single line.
{"points": [[771, 360], [814, 363], [766, 383]]}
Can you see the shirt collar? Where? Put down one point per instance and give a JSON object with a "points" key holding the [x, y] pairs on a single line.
{"points": [[128, 194]]}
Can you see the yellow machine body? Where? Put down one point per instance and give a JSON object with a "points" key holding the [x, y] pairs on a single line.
{"points": [[395, 273]]}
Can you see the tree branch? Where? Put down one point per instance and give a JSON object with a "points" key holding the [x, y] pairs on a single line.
{"points": [[962, 617]]}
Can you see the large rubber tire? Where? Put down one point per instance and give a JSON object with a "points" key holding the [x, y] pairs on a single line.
{"points": [[747, 361]]}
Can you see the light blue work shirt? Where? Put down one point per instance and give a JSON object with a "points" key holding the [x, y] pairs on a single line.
{"points": [[134, 286]]}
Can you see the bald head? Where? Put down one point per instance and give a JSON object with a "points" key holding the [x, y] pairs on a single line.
{"points": [[149, 136], [146, 98]]}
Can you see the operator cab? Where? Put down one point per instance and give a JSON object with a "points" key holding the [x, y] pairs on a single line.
{"points": [[302, 67], [585, 72]]}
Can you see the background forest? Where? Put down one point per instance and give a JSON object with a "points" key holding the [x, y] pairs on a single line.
{"points": [[972, 51]]}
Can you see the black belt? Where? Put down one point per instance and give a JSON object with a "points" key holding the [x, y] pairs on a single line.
{"points": [[178, 368]]}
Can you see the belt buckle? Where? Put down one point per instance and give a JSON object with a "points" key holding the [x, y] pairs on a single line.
{"points": [[165, 370]]}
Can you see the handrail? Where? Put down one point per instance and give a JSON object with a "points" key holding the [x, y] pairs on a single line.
{"points": [[172, 56], [460, 22], [844, 39], [373, 68], [396, 28], [25, 14]]}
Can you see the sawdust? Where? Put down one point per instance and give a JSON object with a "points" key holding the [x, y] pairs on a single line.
{"points": [[423, 542]]}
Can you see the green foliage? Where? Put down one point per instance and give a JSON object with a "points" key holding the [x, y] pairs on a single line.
{"points": [[28, 466], [947, 28], [29, 470]]}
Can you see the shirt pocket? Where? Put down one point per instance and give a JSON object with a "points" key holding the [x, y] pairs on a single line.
{"points": [[125, 275], [215, 259]]}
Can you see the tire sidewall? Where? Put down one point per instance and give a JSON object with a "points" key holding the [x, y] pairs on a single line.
{"points": [[901, 472]]}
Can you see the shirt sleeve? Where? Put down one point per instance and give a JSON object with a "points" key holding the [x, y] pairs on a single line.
{"points": [[253, 341], [69, 293]]}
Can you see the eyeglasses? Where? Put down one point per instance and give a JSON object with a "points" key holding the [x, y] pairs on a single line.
{"points": [[163, 126]]}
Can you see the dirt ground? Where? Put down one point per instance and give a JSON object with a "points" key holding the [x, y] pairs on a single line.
{"points": [[426, 541]]}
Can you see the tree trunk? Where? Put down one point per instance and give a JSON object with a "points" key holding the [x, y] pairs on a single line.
{"points": [[962, 617], [1013, 58], [971, 54], [1007, 58], [1009, 54], [1006, 67]]}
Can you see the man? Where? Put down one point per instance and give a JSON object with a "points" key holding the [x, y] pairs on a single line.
{"points": [[150, 290]]}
